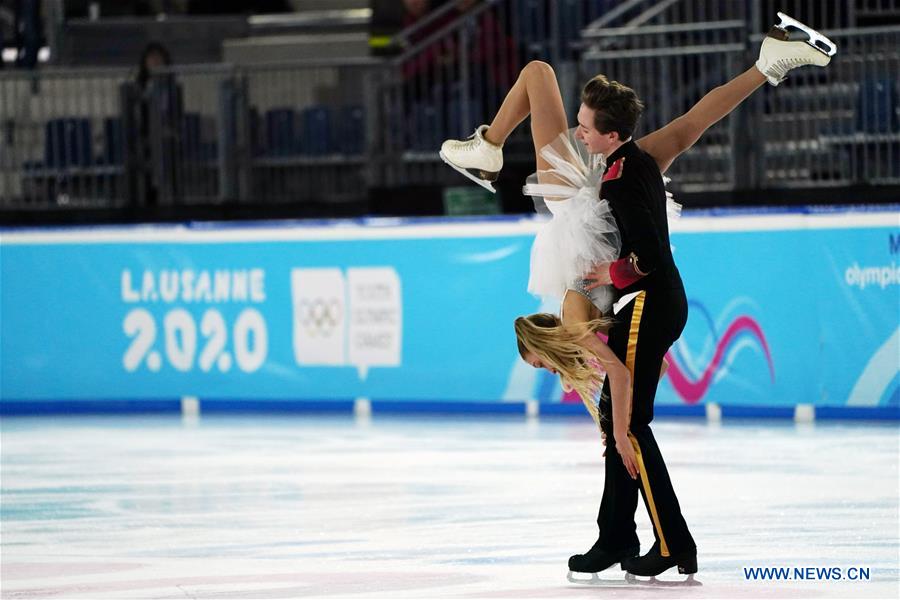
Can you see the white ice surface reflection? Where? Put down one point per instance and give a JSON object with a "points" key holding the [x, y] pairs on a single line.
{"points": [[302, 507]]}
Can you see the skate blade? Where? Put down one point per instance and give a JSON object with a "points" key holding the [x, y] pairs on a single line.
{"points": [[595, 580], [482, 182], [629, 582], [816, 39], [654, 582], [573, 578]]}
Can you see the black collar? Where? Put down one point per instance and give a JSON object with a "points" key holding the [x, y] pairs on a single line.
{"points": [[619, 153]]}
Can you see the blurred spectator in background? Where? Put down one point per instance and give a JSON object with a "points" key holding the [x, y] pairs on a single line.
{"points": [[158, 117], [493, 49], [4, 19], [440, 99], [415, 10], [436, 56], [153, 58], [27, 20], [490, 47]]}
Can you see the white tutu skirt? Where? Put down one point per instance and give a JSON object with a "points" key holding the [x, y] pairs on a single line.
{"points": [[582, 231]]}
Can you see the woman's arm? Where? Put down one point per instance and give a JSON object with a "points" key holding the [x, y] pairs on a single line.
{"points": [[667, 143], [578, 309], [620, 389]]}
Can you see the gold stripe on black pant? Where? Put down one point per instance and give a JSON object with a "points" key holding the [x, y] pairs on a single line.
{"points": [[644, 331]]}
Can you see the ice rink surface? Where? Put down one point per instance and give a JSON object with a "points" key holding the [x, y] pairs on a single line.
{"points": [[311, 506]]}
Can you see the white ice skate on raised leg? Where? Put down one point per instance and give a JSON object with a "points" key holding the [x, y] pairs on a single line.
{"points": [[813, 37], [792, 44], [475, 157]]}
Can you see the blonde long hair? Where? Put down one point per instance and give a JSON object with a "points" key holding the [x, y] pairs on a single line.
{"points": [[557, 346]]}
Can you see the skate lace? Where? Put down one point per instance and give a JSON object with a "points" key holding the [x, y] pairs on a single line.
{"points": [[467, 145], [786, 64]]}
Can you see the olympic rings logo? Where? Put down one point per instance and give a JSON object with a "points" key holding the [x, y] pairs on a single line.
{"points": [[320, 316]]}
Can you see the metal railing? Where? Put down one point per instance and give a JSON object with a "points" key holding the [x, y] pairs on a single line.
{"points": [[310, 130], [452, 77], [455, 72], [839, 125], [299, 132], [824, 127], [671, 67], [61, 139], [758, 14], [326, 131]]}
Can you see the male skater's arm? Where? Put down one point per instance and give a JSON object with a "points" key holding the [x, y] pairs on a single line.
{"points": [[637, 225]]}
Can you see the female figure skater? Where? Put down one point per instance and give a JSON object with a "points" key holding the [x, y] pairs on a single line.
{"points": [[621, 238]]}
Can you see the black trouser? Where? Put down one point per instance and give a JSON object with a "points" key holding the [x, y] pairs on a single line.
{"points": [[644, 331]]}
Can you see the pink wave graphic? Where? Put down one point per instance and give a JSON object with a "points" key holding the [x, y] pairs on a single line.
{"points": [[691, 391]]}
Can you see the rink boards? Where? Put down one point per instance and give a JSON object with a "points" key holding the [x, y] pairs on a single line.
{"points": [[787, 310]]}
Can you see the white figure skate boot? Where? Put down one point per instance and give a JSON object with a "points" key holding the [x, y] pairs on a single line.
{"points": [[475, 157], [789, 45]]}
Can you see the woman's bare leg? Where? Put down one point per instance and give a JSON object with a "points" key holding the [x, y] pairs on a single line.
{"points": [[667, 143], [535, 92]]}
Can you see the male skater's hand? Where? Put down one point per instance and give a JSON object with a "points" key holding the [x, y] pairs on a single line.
{"points": [[599, 275], [626, 451]]}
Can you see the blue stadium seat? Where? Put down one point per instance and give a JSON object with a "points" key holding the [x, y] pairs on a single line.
{"points": [[530, 29], [351, 130], [457, 127], [114, 142], [570, 19], [877, 106], [68, 143], [425, 128], [209, 151], [315, 134], [280, 132]]}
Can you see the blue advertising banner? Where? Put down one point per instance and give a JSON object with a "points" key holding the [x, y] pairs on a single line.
{"points": [[786, 317], [785, 309], [312, 313]]}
